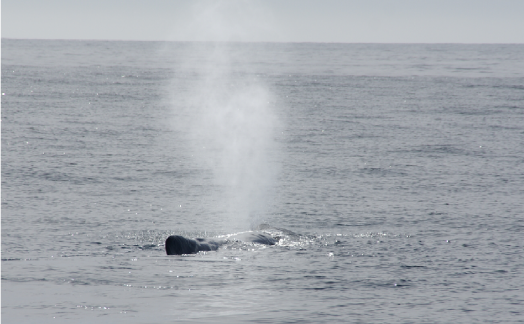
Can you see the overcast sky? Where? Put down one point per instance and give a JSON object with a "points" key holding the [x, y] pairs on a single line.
{"points": [[362, 21]]}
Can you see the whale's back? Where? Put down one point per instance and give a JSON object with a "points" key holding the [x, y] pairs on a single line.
{"points": [[254, 237]]}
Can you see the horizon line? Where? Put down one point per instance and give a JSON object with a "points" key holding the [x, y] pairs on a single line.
{"points": [[259, 42]]}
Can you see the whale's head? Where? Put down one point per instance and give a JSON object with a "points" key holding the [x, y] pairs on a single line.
{"points": [[176, 245]]}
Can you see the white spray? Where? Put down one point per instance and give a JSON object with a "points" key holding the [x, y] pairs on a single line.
{"points": [[226, 113]]}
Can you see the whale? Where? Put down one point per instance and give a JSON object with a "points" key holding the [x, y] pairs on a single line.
{"points": [[178, 245]]}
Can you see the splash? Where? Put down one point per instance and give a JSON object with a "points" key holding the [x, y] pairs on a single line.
{"points": [[226, 113]]}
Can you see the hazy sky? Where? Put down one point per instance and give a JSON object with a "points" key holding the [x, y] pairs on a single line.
{"points": [[375, 21]]}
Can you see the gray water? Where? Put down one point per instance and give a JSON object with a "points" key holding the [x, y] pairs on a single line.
{"points": [[394, 175]]}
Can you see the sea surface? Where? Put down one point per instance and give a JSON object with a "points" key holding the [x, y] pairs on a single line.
{"points": [[392, 175]]}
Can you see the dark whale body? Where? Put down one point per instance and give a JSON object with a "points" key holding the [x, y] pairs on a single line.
{"points": [[176, 244]]}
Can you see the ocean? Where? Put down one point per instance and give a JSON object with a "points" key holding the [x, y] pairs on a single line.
{"points": [[391, 174]]}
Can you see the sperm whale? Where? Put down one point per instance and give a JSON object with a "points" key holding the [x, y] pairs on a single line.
{"points": [[177, 245]]}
